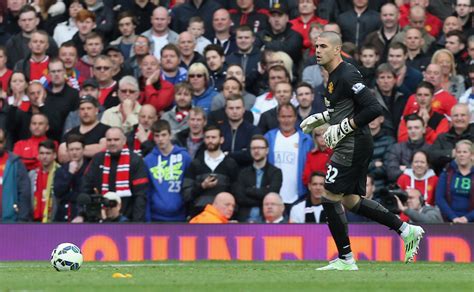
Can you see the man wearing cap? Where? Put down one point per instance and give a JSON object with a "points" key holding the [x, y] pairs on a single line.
{"points": [[280, 36], [112, 211], [90, 128], [119, 69]]}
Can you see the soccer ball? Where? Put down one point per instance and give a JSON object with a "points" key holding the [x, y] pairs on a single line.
{"points": [[66, 257]]}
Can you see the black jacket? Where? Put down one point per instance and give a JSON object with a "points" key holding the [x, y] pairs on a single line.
{"points": [[181, 139], [441, 150], [180, 15], [355, 28], [251, 65], [392, 109], [218, 117], [17, 49], [237, 142], [145, 147], [400, 154], [289, 41], [197, 197], [132, 207], [248, 195]]}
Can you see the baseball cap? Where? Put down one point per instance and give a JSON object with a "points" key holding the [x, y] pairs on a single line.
{"points": [[89, 99], [279, 8], [90, 82], [112, 196], [112, 48]]}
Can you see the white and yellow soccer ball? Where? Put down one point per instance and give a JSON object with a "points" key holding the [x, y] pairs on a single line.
{"points": [[66, 257]]}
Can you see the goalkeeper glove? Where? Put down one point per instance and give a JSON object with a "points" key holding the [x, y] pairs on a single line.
{"points": [[314, 121], [336, 133]]}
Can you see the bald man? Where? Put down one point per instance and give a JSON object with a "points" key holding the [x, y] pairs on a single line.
{"points": [[273, 208], [186, 46], [160, 21], [351, 106], [140, 139], [121, 171], [220, 211]]}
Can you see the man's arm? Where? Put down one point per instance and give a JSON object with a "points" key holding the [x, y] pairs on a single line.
{"points": [[139, 186], [24, 193], [430, 215]]}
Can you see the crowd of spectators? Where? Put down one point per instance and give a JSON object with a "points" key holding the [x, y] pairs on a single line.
{"points": [[178, 111]]}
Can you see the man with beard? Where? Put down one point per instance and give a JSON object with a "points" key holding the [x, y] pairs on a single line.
{"points": [[171, 70], [215, 61]]}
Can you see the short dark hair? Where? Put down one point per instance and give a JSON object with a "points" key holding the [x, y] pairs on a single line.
{"points": [[427, 85], [241, 87], [369, 47], [126, 14], [259, 137], [413, 117], [75, 138], [160, 125], [244, 28], [304, 84], [27, 8], [48, 144], [233, 97], [384, 68], [212, 128], [280, 68], [317, 173], [287, 105], [93, 35], [195, 19], [171, 47], [459, 34], [68, 44], [422, 152], [398, 46], [213, 47]]}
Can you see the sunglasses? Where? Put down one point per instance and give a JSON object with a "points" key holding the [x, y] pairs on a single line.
{"points": [[196, 75], [102, 68]]}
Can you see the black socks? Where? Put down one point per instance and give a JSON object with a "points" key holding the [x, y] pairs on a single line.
{"points": [[376, 212], [337, 222]]}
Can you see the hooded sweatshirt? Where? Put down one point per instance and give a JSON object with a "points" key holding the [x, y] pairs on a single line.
{"points": [[426, 184], [166, 174]]}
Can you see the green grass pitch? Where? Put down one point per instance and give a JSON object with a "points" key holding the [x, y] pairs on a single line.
{"points": [[237, 276]]}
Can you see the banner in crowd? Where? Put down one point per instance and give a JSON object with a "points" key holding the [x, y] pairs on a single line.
{"points": [[138, 242]]}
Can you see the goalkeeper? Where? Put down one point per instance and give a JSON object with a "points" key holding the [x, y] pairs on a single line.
{"points": [[350, 107]]}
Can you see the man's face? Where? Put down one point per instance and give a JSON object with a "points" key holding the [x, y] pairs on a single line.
{"points": [[46, 156], [113, 212], [28, 22], [186, 44], [316, 187], [415, 130], [183, 98], [283, 93], [244, 40], [103, 70], [413, 201], [94, 47], [325, 51], [275, 77], [15, 5], [114, 140], [278, 22], [460, 118], [116, 58], [38, 44], [149, 65], [75, 151], [369, 58], [417, 21], [229, 88], [162, 139], [258, 150], [56, 73], [433, 75], [423, 97], [413, 39], [213, 140], [169, 61], [272, 208], [235, 110], [86, 26], [386, 81], [221, 21], [245, 4], [214, 60], [389, 16], [126, 26], [454, 45], [196, 123], [236, 72], [128, 91], [38, 126], [225, 206], [369, 188], [396, 58], [69, 56], [88, 113], [160, 20], [463, 7], [74, 8], [360, 3], [90, 90], [147, 116], [141, 47], [35, 91], [306, 7], [286, 119], [451, 23]]}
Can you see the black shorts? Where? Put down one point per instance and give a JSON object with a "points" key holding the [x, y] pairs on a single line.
{"points": [[352, 179]]}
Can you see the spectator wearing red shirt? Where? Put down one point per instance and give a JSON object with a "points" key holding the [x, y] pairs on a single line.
{"points": [[5, 73], [302, 24], [420, 176], [317, 159], [93, 46], [108, 96], [68, 54], [442, 101], [435, 122], [247, 14], [35, 66], [27, 149], [432, 24]]}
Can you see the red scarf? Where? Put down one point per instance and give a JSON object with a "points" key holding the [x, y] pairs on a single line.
{"points": [[122, 185], [40, 186], [137, 145]]}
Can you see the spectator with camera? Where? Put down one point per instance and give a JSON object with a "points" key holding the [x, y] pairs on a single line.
{"points": [[166, 165], [455, 193], [68, 179], [121, 171], [210, 173], [416, 210], [256, 181], [220, 211], [112, 210]]}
